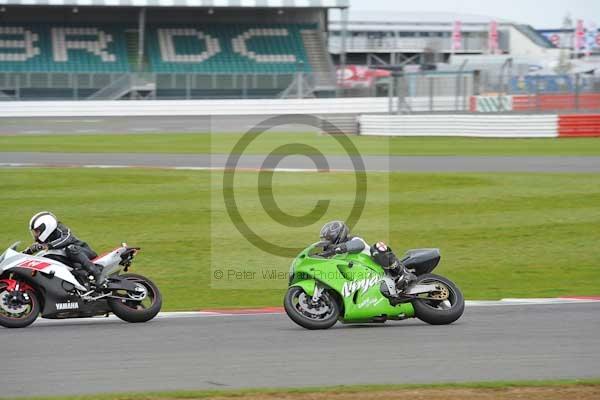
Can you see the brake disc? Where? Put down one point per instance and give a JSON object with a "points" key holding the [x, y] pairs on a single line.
{"points": [[140, 293], [320, 309], [10, 308], [441, 294]]}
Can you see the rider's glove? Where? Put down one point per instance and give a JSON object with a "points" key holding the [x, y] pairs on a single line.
{"points": [[34, 248], [341, 249]]}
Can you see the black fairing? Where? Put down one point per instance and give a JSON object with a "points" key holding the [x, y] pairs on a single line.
{"points": [[52, 291], [422, 261], [85, 310]]}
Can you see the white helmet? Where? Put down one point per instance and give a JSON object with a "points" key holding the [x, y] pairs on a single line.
{"points": [[42, 225]]}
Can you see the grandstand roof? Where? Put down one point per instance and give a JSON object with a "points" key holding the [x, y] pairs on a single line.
{"points": [[413, 21], [419, 17], [186, 3]]}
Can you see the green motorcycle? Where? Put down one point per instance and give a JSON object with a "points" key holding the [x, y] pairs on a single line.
{"points": [[352, 288]]}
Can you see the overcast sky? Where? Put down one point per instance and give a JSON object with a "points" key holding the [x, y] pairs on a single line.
{"points": [[539, 13]]}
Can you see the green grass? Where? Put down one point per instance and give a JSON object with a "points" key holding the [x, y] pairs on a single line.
{"points": [[501, 235], [223, 143], [325, 389]]}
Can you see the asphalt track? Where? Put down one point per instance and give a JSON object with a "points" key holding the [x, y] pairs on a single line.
{"points": [[140, 124], [515, 342], [302, 163]]}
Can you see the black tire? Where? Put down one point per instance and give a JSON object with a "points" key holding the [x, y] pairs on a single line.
{"points": [[292, 306], [431, 311], [135, 311], [24, 320]]}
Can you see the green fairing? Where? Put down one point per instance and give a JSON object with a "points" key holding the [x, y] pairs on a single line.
{"points": [[308, 285], [357, 286]]}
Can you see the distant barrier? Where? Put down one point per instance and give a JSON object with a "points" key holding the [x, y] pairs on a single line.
{"points": [[192, 107], [557, 102], [470, 125], [533, 103], [579, 125], [491, 103], [353, 105], [371, 114]]}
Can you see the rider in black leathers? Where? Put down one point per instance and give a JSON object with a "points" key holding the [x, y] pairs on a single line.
{"points": [[337, 239], [50, 234]]}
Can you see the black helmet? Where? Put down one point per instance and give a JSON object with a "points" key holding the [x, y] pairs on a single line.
{"points": [[335, 232]]}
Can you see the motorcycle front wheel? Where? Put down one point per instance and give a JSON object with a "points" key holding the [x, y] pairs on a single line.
{"points": [[18, 309], [301, 309], [439, 308]]}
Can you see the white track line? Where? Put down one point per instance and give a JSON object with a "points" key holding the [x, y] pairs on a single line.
{"points": [[525, 302], [206, 314], [180, 168], [160, 316]]}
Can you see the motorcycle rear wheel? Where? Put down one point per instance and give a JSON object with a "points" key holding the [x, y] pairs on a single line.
{"points": [[131, 310], [439, 312], [320, 315]]}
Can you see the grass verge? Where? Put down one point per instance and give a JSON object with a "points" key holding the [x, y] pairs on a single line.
{"points": [[551, 390], [501, 235], [223, 143]]}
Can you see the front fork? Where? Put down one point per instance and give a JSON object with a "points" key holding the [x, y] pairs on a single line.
{"points": [[15, 285], [17, 290], [318, 292]]}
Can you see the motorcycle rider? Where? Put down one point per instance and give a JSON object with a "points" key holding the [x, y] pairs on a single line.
{"points": [[336, 234], [51, 234]]}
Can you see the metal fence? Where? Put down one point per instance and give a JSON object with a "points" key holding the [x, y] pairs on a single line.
{"points": [[81, 86], [477, 91], [536, 93], [431, 91]]}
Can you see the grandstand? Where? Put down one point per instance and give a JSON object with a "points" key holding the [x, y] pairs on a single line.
{"points": [[198, 49], [165, 49], [224, 48], [63, 48]]}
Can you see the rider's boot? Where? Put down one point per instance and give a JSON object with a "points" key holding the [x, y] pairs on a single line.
{"points": [[405, 279], [394, 268], [96, 272], [402, 277]]}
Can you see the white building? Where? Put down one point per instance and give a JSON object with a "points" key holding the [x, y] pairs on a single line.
{"points": [[394, 37]]}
